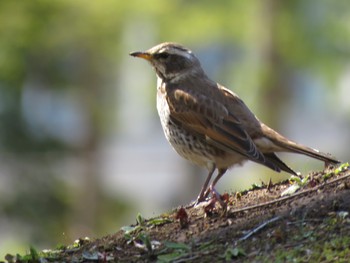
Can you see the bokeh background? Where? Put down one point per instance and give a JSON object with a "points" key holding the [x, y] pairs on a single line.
{"points": [[81, 147]]}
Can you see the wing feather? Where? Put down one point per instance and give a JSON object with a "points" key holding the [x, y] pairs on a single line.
{"points": [[210, 119]]}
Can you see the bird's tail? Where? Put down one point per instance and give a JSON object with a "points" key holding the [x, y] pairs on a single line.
{"points": [[297, 148], [286, 145], [272, 157]]}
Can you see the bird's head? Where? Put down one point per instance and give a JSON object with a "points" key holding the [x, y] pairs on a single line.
{"points": [[171, 61]]}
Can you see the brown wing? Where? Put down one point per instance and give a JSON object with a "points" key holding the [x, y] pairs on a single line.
{"points": [[211, 120]]}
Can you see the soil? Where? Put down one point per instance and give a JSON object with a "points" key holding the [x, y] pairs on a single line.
{"points": [[310, 224]]}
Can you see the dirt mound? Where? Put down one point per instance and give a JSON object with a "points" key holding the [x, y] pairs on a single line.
{"points": [[305, 220]]}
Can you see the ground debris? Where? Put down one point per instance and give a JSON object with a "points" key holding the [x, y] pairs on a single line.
{"points": [[259, 225]]}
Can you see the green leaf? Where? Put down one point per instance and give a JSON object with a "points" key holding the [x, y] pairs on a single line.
{"points": [[33, 253], [129, 229], [305, 180], [327, 175], [177, 246], [146, 241], [205, 245], [231, 253], [291, 190], [159, 221], [341, 168], [140, 219], [170, 257], [295, 179], [255, 186]]}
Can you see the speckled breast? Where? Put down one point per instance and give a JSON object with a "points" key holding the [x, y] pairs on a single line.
{"points": [[186, 144]]}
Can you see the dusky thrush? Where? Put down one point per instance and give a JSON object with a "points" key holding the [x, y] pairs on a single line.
{"points": [[210, 125]]}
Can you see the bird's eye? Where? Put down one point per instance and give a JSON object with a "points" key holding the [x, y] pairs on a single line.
{"points": [[163, 55]]}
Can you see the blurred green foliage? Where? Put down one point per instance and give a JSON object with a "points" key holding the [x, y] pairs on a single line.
{"points": [[73, 49]]}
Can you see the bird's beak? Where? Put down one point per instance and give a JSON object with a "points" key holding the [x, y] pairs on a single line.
{"points": [[143, 55]]}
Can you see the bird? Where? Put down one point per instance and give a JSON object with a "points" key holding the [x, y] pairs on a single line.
{"points": [[208, 124]]}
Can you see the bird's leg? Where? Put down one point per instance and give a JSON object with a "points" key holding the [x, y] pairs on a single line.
{"points": [[202, 195], [216, 197], [217, 178]]}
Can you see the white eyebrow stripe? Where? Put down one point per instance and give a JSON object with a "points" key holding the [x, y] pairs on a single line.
{"points": [[184, 53]]}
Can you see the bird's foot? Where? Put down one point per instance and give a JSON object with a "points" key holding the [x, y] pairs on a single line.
{"points": [[216, 198], [209, 202]]}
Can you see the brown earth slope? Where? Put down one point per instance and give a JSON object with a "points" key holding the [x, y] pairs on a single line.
{"points": [[309, 222]]}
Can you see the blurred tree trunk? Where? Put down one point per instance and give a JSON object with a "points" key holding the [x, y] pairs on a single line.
{"points": [[274, 91], [84, 218]]}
